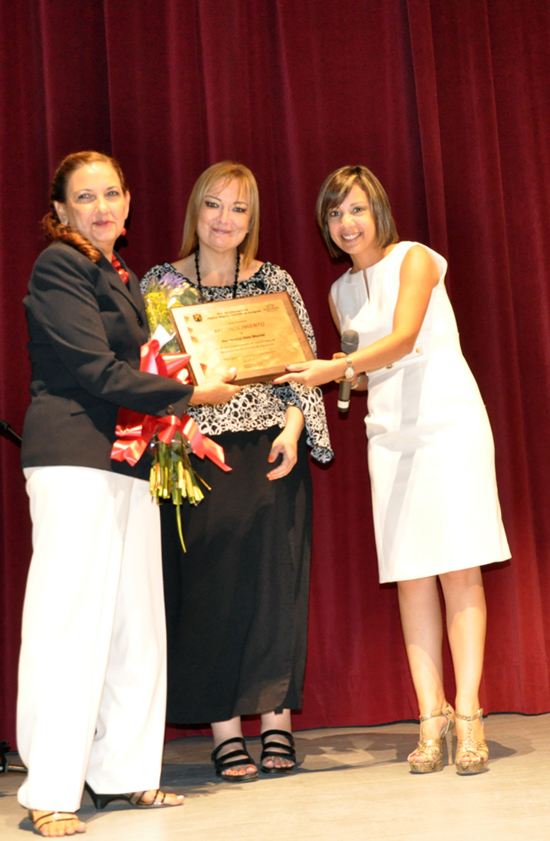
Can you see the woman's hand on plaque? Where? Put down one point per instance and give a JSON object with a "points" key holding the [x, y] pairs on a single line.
{"points": [[316, 372], [215, 389]]}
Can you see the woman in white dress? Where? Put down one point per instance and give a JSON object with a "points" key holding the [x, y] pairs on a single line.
{"points": [[431, 453]]}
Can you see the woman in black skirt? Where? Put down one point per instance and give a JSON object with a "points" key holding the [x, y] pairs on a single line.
{"points": [[237, 601]]}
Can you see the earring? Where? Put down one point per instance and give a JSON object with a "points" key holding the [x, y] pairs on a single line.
{"points": [[123, 232]]}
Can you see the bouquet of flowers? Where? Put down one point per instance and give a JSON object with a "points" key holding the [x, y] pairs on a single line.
{"points": [[161, 295], [172, 475], [169, 438]]}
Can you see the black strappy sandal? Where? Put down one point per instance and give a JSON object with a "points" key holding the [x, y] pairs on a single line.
{"points": [[277, 750], [231, 760]]}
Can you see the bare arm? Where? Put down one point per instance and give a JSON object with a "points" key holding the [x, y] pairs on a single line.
{"points": [[286, 444], [334, 314], [418, 276]]}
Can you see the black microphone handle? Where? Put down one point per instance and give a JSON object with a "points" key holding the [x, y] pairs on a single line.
{"points": [[7, 432], [349, 343], [344, 395]]}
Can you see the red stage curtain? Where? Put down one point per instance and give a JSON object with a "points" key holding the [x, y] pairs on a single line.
{"points": [[447, 103]]}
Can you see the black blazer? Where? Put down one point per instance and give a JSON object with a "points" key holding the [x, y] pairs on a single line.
{"points": [[86, 328]]}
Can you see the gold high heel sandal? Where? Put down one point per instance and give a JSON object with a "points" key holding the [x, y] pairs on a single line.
{"points": [[471, 757], [428, 755]]}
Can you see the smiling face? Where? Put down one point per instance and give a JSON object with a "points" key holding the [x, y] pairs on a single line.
{"points": [[224, 216], [353, 230], [95, 205]]}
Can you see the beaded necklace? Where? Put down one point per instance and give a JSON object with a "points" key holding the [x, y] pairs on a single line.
{"points": [[118, 267], [235, 282]]}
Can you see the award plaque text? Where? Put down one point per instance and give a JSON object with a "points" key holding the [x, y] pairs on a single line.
{"points": [[258, 336]]}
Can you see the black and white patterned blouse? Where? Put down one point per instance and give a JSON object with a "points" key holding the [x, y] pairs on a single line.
{"points": [[261, 405]]}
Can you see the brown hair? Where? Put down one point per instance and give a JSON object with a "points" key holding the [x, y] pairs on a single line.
{"points": [[334, 191], [51, 223], [225, 171]]}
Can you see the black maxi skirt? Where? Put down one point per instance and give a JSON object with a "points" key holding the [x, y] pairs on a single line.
{"points": [[237, 601]]}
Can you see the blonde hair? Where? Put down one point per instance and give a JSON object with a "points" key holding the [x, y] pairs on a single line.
{"points": [[224, 171], [335, 189]]}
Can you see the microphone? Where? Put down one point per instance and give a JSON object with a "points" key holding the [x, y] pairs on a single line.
{"points": [[349, 343], [7, 432]]}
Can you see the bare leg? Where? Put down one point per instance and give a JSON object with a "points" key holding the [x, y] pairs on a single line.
{"points": [[466, 624], [423, 632], [223, 730], [277, 721]]}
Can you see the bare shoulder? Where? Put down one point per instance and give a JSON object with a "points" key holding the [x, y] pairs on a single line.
{"points": [[418, 262], [250, 270]]}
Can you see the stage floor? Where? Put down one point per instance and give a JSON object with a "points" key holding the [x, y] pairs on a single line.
{"points": [[352, 783]]}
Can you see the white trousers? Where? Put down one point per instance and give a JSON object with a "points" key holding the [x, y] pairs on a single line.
{"points": [[92, 673]]}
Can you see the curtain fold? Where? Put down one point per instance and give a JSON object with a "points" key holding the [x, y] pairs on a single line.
{"points": [[447, 104], [484, 288], [422, 48]]}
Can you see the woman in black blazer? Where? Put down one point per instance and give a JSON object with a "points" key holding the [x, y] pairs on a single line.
{"points": [[93, 660]]}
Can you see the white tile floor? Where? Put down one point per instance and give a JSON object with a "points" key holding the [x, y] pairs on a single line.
{"points": [[353, 783]]}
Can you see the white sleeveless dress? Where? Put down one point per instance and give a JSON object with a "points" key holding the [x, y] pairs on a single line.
{"points": [[431, 452]]}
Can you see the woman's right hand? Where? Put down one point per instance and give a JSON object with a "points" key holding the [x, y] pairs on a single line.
{"points": [[215, 390]]}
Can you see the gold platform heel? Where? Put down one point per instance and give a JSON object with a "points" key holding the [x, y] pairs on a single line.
{"points": [[471, 757], [428, 755]]}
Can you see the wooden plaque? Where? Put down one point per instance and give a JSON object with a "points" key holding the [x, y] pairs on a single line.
{"points": [[257, 335]]}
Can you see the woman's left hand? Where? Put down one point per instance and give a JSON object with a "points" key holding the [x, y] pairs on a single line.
{"points": [[286, 446], [313, 373]]}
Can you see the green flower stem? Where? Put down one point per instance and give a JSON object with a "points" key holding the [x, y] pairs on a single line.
{"points": [[173, 477]]}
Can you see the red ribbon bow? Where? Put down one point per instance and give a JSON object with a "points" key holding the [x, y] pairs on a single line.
{"points": [[134, 431]]}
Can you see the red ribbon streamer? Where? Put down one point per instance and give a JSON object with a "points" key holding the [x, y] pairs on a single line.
{"points": [[134, 431]]}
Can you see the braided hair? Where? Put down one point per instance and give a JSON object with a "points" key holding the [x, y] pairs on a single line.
{"points": [[52, 226]]}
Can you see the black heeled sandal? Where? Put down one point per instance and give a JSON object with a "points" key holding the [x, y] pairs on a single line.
{"points": [[135, 798], [278, 750], [231, 760]]}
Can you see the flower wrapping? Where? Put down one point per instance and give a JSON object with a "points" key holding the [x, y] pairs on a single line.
{"points": [[170, 439]]}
